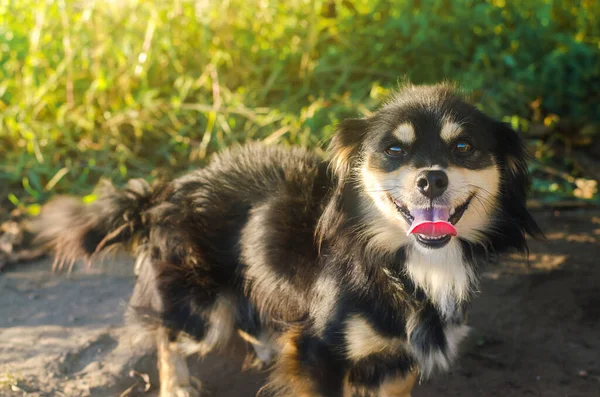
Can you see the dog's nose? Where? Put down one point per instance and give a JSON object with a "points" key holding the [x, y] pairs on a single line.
{"points": [[432, 184]]}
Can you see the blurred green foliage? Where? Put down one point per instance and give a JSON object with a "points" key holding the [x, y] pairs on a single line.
{"points": [[129, 88]]}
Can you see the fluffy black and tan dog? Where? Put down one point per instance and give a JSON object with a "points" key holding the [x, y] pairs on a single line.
{"points": [[352, 275]]}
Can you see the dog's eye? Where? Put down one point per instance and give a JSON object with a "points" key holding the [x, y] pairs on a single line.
{"points": [[463, 147], [395, 151]]}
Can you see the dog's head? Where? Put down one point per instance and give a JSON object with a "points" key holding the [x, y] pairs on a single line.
{"points": [[428, 167]]}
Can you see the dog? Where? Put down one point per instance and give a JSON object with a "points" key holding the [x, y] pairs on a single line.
{"points": [[350, 275]]}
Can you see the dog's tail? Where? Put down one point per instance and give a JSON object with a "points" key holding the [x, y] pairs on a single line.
{"points": [[75, 230]]}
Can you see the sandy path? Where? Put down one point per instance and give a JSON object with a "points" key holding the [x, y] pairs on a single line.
{"points": [[535, 329]]}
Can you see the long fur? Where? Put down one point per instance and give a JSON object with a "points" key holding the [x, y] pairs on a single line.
{"points": [[298, 248]]}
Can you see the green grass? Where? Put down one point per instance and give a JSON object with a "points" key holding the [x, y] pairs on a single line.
{"points": [[129, 88]]}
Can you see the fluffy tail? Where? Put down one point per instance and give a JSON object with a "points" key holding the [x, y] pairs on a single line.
{"points": [[74, 230]]}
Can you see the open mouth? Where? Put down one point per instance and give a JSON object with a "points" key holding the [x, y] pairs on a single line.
{"points": [[433, 227]]}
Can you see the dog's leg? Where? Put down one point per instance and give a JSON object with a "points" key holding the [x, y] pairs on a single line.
{"points": [[306, 367], [172, 368], [399, 386]]}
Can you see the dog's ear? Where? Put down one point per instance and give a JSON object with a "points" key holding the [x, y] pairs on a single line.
{"points": [[345, 146], [513, 162], [342, 152]]}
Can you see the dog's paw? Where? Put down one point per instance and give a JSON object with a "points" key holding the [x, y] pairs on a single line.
{"points": [[187, 391]]}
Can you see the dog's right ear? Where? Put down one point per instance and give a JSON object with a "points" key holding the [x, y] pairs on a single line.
{"points": [[345, 146], [342, 152]]}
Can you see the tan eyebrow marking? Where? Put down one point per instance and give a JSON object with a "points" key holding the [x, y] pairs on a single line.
{"points": [[450, 130], [405, 133]]}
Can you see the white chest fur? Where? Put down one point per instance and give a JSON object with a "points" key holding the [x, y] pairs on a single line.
{"points": [[448, 280], [443, 274]]}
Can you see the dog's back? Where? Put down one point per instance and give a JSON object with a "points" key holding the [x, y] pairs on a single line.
{"points": [[195, 222]]}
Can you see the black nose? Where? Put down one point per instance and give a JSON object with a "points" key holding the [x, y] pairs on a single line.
{"points": [[432, 183]]}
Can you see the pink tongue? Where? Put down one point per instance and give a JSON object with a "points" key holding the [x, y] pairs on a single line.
{"points": [[432, 222]]}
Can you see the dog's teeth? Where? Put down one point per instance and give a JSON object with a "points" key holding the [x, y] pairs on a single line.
{"points": [[431, 238], [452, 211]]}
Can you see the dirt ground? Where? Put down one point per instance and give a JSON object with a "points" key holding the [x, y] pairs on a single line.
{"points": [[535, 329]]}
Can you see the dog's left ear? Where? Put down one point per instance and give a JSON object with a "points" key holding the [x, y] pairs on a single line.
{"points": [[345, 146], [515, 176]]}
